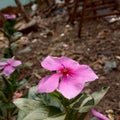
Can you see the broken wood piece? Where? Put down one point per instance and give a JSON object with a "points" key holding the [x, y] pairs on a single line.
{"points": [[22, 10], [23, 26]]}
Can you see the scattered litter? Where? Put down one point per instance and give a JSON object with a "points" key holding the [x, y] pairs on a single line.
{"points": [[62, 35], [34, 40], [110, 65], [109, 19], [22, 41], [60, 11], [67, 26], [112, 18], [37, 75], [118, 57], [2, 36], [103, 34], [109, 111], [80, 8], [46, 33], [59, 1], [65, 45], [110, 114], [28, 64], [26, 50], [34, 7], [43, 35]]}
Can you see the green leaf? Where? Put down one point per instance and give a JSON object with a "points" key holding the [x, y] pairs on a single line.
{"points": [[2, 96], [78, 102], [85, 108], [51, 101], [38, 106], [3, 111], [16, 36], [25, 50], [46, 99], [8, 53], [26, 105], [9, 27], [38, 114], [21, 115], [99, 94], [3, 59], [33, 94], [87, 101], [94, 118], [84, 103], [13, 76], [34, 110], [7, 89], [56, 117], [22, 83]]}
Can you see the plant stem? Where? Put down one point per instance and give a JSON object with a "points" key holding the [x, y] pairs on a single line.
{"points": [[67, 114], [81, 116], [9, 44], [7, 117]]}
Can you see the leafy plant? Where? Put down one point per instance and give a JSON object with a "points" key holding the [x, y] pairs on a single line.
{"points": [[10, 34], [45, 106], [53, 98], [10, 87]]}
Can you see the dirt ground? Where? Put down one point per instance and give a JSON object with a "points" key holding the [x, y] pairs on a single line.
{"points": [[98, 47]]}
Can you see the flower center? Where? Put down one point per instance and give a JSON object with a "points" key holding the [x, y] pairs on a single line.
{"points": [[65, 71], [8, 64]]}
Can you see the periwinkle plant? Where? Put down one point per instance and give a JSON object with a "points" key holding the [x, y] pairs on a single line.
{"points": [[69, 79], [10, 33], [10, 88], [8, 66], [61, 96]]}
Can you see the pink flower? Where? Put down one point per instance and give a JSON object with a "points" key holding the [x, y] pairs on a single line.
{"points": [[69, 79], [7, 16], [17, 95], [99, 115], [8, 67]]}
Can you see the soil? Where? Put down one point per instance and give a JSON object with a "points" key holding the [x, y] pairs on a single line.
{"points": [[98, 47]]}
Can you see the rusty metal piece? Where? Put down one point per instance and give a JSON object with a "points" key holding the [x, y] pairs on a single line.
{"points": [[82, 18], [89, 9], [72, 16]]}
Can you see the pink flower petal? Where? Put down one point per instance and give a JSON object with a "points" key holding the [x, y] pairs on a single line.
{"points": [[99, 115], [85, 73], [16, 63], [2, 65], [11, 60], [73, 76], [51, 63], [8, 70], [68, 63], [70, 88], [7, 16], [49, 83]]}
